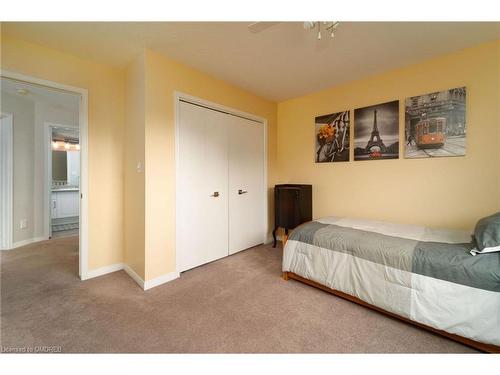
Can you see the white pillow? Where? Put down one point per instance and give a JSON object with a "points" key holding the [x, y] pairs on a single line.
{"points": [[476, 251]]}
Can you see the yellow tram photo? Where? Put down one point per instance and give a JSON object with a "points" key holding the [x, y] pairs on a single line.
{"points": [[431, 133]]}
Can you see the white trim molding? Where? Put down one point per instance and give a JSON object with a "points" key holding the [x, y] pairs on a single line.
{"points": [[134, 276], [6, 180], [27, 242], [161, 280], [84, 148], [145, 285], [103, 270]]}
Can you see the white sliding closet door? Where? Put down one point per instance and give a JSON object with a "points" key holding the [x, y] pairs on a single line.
{"points": [[246, 184], [203, 186]]}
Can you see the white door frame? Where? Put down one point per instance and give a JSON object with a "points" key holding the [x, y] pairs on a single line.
{"points": [[47, 139], [84, 177], [6, 185], [47, 176], [180, 96]]}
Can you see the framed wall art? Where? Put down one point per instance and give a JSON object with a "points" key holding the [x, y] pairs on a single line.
{"points": [[332, 137], [435, 124], [376, 132]]}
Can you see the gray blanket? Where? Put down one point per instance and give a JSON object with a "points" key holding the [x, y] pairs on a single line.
{"points": [[450, 262]]}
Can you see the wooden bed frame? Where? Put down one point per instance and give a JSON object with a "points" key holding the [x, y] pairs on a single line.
{"points": [[488, 348]]}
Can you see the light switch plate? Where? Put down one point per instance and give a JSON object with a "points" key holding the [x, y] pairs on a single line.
{"points": [[23, 223]]}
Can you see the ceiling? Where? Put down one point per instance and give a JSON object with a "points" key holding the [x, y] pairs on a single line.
{"points": [[280, 62], [53, 98]]}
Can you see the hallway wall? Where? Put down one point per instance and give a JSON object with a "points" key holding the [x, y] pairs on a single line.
{"points": [[106, 117]]}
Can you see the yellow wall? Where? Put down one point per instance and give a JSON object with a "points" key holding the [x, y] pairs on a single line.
{"points": [[134, 180], [132, 214], [106, 90], [131, 120], [163, 77], [438, 192]]}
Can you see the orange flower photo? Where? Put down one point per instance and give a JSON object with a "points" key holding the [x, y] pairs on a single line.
{"points": [[332, 137]]}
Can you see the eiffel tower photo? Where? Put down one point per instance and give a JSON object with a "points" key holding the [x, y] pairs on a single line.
{"points": [[368, 141], [375, 139]]}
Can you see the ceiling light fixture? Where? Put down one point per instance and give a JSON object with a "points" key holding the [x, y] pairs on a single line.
{"points": [[330, 27], [325, 26], [58, 145]]}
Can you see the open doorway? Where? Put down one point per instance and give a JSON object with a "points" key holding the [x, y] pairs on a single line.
{"points": [[49, 165], [64, 180]]}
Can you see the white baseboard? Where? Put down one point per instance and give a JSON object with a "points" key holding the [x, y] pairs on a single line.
{"points": [[161, 280], [103, 271], [145, 285], [27, 242], [134, 276]]}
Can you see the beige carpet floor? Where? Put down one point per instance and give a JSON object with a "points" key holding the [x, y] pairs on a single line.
{"points": [[237, 304]]}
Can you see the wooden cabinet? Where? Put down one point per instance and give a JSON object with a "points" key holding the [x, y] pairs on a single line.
{"points": [[65, 203], [293, 206]]}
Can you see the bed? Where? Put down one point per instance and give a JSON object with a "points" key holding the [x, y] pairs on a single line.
{"points": [[424, 276]]}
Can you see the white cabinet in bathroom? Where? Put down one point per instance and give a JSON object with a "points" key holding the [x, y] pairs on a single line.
{"points": [[65, 203], [53, 206]]}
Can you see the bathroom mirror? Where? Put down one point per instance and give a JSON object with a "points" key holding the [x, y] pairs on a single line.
{"points": [[59, 166], [66, 167]]}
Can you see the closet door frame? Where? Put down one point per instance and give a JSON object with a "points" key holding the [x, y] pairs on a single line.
{"points": [[182, 97]]}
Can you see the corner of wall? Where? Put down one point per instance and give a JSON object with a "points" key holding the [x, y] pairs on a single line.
{"points": [[134, 167]]}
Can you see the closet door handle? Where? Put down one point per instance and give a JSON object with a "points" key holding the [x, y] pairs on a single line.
{"points": [[215, 194], [242, 192]]}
